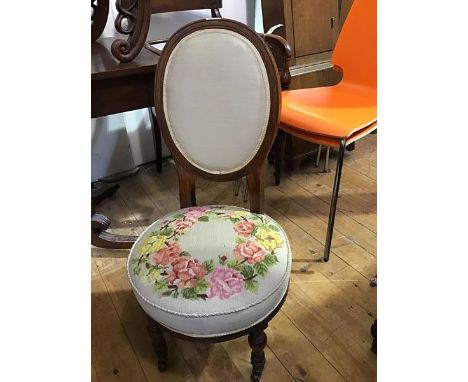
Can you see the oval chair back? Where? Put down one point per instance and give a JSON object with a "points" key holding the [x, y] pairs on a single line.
{"points": [[356, 49], [217, 99]]}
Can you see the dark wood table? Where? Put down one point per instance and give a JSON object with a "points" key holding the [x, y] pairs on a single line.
{"points": [[118, 87], [115, 88]]}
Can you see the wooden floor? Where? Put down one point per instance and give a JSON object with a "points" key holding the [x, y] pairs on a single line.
{"points": [[321, 333]]}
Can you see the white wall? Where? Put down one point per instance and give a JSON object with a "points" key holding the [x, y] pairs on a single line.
{"points": [[123, 141]]}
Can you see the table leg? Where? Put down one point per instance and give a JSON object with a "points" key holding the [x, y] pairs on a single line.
{"points": [[156, 139]]}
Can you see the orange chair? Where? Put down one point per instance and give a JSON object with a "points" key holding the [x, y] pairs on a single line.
{"points": [[337, 116]]}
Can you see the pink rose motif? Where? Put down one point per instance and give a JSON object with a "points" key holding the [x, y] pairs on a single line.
{"points": [[182, 225], [167, 255], [194, 213], [225, 282], [249, 251], [185, 272], [244, 228]]}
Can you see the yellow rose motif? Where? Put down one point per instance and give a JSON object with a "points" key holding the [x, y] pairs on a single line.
{"points": [[268, 238], [153, 243], [237, 214]]}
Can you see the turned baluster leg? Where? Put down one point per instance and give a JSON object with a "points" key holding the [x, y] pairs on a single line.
{"points": [[159, 343], [257, 342]]}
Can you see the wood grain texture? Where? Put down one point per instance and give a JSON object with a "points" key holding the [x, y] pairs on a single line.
{"points": [[310, 26], [314, 17], [322, 333], [161, 6], [98, 17], [112, 354]]}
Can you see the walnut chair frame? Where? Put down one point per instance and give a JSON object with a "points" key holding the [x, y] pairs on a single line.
{"points": [[253, 170]]}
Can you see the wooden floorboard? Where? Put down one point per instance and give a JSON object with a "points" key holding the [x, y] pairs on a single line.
{"points": [[322, 333], [112, 354]]}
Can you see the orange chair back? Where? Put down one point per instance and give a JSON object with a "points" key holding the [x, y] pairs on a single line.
{"points": [[356, 49]]}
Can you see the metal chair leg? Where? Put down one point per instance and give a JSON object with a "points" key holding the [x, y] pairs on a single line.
{"points": [[334, 201], [279, 155], [317, 160], [327, 157]]}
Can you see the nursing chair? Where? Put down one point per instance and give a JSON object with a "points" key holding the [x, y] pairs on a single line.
{"points": [[338, 115], [213, 273]]}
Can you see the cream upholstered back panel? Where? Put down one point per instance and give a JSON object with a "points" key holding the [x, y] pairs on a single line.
{"points": [[216, 99]]}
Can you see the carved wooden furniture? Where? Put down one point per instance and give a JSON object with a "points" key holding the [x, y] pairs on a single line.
{"points": [[337, 116], [214, 273], [115, 88], [100, 11], [133, 20]]}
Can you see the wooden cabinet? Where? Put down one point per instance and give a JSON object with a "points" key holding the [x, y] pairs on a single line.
{"points": [[310, 26], [321, 15]]}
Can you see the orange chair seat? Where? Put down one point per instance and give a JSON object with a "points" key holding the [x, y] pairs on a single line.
{"points": [[336, 112]]}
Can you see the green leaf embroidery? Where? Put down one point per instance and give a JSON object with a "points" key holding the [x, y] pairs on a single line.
{"points": [[209, 265], [203, 218], [167, 231], [254, 232], [178, 215], [247, 271], [184, 253], [251, 286], [273, 227], [239, 240], [139, 260], [168, 292], [234, 220], [270, 260], [137, 270], [261, 268], [161, 284], [189, 293], [202, 286], [234, 264], [255, 216]]}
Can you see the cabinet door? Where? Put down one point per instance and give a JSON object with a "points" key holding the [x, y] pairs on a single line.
{"points": [[315, 23]]}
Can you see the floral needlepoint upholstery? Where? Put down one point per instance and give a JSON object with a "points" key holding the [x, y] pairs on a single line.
{"points": [[210, 271]]}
